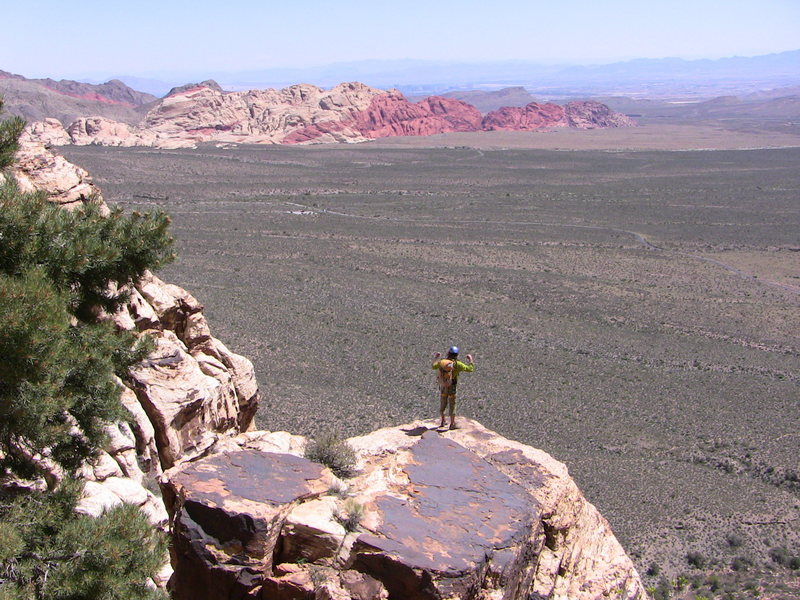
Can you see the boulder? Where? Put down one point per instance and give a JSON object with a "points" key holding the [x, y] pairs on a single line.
{"points": [[242, 378], [101, 131], [48, 132], [127, 490], [465, 514], [144, 433], [128, 462], [104, 467], [186, 407], [68, 185], [171, 304], [227, 511], [96, 499]]}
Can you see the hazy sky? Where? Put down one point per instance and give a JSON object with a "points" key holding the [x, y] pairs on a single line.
{"points": [[63, 38]]}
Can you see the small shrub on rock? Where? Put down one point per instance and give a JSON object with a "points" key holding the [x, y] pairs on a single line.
{"points": [[734, 540], [741, 563], [696, 559], [663, 590], [333, 452], [353, 513]]}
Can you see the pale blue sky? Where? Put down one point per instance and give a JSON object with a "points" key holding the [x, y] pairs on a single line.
{"points": [[108, 37]]}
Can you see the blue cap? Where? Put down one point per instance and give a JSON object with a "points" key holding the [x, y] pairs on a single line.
{"points": [[453, 350]]}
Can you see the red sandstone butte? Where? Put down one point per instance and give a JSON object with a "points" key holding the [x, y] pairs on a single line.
{"points": [[390, 115], [525, 118]]}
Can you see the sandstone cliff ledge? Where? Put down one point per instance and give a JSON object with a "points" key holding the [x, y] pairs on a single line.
{"points": [[464, 514]]}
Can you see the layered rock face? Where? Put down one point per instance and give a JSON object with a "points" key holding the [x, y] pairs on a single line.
{"points": [[303, 114], [191, 391], [465, 514]]}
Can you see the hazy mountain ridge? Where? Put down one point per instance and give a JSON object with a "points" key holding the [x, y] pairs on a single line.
{"points": [[659, 77], [67, 100]]}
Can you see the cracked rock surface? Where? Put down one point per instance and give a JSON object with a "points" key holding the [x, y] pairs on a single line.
{"points": [[463, 514]]}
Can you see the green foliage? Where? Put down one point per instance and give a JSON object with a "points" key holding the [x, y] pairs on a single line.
{"points": [[734, 540], [696, 559], [46, 551], [10, 129], [353, 513], [741, 563], [663, 590], [783, 557], [59, 272], [333, 452], [80, 251]]}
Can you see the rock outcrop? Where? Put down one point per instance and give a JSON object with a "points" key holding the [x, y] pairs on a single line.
{"points": [[390, 115], [579, 115], [531, 117], [190, 393], [589, 114], [37, 168], [101, 131], [303, 114], [465, 514]]}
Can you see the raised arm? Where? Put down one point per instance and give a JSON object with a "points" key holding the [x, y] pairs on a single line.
{"points": [[469, 366]]}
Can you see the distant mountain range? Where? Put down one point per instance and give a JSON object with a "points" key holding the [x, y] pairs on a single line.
{"points": [[654, 78], [66, 100]]}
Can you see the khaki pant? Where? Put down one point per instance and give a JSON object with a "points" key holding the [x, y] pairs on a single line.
{"points": [[447, 399]]}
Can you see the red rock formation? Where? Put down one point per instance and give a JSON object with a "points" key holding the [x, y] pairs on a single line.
{"points": [[304, 114], [390, 115], [525, 118]]}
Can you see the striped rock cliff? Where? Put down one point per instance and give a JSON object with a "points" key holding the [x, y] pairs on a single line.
{"points": [[303, 114]]}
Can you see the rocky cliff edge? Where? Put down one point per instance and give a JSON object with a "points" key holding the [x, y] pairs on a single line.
{"points": [[464, 514]]}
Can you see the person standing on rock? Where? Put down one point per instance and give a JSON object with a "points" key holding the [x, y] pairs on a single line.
{"points": [[448, 370]]}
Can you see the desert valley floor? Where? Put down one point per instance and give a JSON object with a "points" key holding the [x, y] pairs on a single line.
{"points": [[634, 313]]}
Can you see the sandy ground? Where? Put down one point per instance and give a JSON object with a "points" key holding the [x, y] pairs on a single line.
{"points": [[644, 137]]}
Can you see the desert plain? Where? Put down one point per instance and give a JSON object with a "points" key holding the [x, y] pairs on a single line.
{"points": [[631, 297]]}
